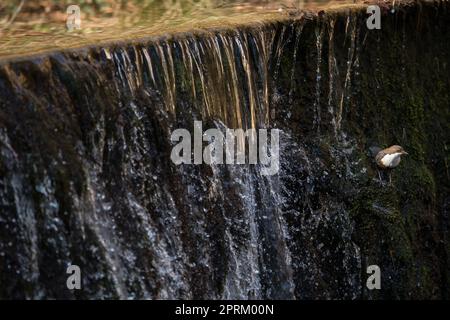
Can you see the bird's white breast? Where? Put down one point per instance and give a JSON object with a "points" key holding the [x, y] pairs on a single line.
{"points": [[391, 160]]}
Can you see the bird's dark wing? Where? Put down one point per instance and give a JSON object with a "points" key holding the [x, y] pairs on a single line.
{"points": [[378, 158]]}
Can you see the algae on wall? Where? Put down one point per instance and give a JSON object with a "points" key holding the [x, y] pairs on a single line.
{"points": [[396, 92]]}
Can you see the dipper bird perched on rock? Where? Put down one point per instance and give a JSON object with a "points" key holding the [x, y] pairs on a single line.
{"points": [[389, 158]]}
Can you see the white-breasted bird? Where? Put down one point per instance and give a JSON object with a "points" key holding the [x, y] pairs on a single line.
{"points": [[389, 158]]}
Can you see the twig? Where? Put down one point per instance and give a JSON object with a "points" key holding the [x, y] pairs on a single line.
{"points": [[13, 17]]}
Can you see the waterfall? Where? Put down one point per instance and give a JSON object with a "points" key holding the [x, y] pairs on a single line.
{"points": [[86, 176]]}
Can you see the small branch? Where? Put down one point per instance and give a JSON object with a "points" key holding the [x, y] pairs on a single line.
{"points": [[13, 17]]}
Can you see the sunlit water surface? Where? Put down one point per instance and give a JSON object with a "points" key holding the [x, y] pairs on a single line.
{"points": [[28, 31]]}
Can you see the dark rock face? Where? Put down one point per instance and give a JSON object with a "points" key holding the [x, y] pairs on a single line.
{"points": [[86, 176]]}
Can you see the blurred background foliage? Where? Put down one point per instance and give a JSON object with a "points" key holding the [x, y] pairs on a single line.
{"points": [[117, 7], [26, 25], [42, 13]]}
